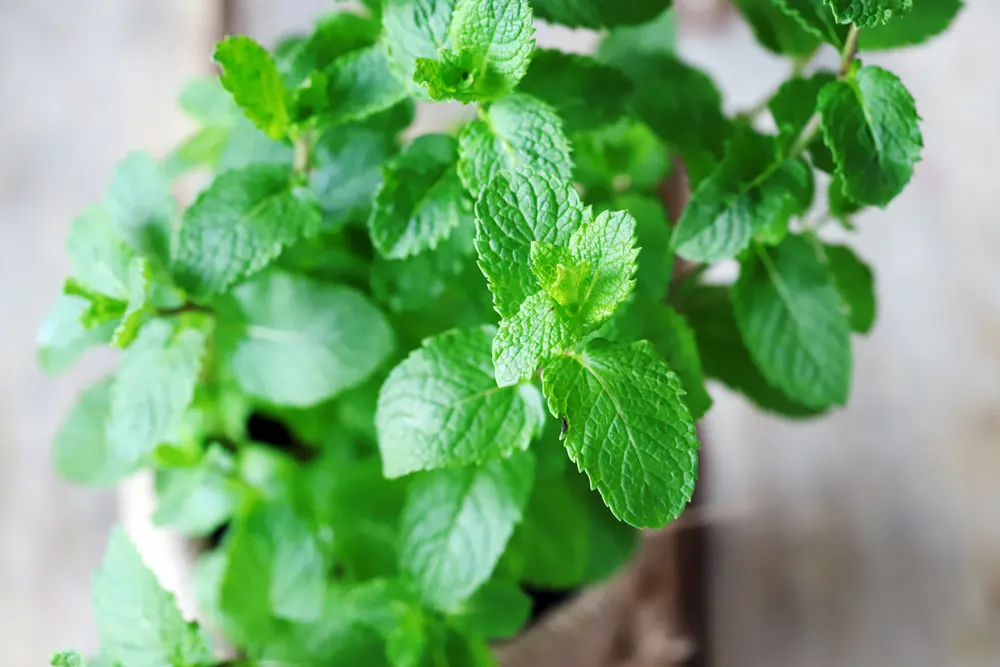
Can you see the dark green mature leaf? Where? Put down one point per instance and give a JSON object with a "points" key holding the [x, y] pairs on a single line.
{"points": [[815, 17], [138, 621], [140, 206], [251, 76], [456, 525], [623, 156], [415, 29], [855, 282], [624, 42], [421, 199], [356, 86], [62, 338], [539, 330], [870, 123], [335, 35], [599, 14], [793, 105], [514, 210], [238, 226], [152, 390], [306, 341], [653, 232], [775, 30], [489, 49], [627, 428], [673, 338], [868, 13], [515, 132], [924, 21], [80, 451], [583, 92], [498, 610], [790, 316], [752, 192], [724, 355], [839, 204], [441, 407]]}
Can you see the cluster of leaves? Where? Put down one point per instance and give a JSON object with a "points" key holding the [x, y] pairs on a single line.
{"points": [[327, 281]]}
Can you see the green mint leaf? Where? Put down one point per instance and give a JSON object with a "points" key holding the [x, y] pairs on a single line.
{"points": [[140, 279], [202, 149], [725, 357], [793, 106], [869, 121], [691, 121], [152, 390], [513, 210], [815, 17], [456, 524], [627, 428], [489, 48], [305, 341], [839, 204], [790, 316], [415, 29], [584, 93], [623, 156], [624, 42], [197, 500], [868, 13], [597, 14], [140, 206], [536, 332], [347, 163], [498, 610], [335, 35], [207, 102], [251, 76], [388, 607], [67, 659], [924, 21], [855, 282], [356, 86], [80, 450], [138, 621], [275, 569], [237, 226], [775, 30], [99, 258], [673, 338], [421, 199], [751, 191], [441, 407], [559, 272], [62, 338], [247, 146], [606, 244], [656, 258], [516, 132]]}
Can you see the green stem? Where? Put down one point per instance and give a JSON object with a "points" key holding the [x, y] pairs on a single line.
{"points": [[184, 308], [302, 149]]}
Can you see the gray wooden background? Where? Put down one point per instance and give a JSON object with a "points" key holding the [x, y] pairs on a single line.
{"points": [[874, 535]]}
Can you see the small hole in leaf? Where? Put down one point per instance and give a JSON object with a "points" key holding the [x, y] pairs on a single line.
{"points": [[465, 76]]}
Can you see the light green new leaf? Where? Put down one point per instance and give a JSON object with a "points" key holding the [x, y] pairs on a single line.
{"points": [[539, 330], [489, 49], [67, 659], [516, 132], [140, 206], [855, 282], [252, 78], [441, 407], [99, 258], [206, 101], [870, 123], [275, 568], [627, 427], [140, 280], [62, 338], [816, 17], [415, 29], [306, 341], [152, 390], [513, 210], [138, 621], [924, 21], [421, 199], [456, 524], [792, 322], [80, 451], [356, 86], [584, 93], [775, 30], [237, 226], [868, 13], [559, 272], [607, 245], [597, 14], [498, 610]]}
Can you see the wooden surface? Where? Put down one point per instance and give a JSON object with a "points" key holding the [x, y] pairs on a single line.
{"points": [[875, 539]]}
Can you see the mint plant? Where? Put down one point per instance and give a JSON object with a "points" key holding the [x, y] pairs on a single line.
{"points": [[396, 382]]}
